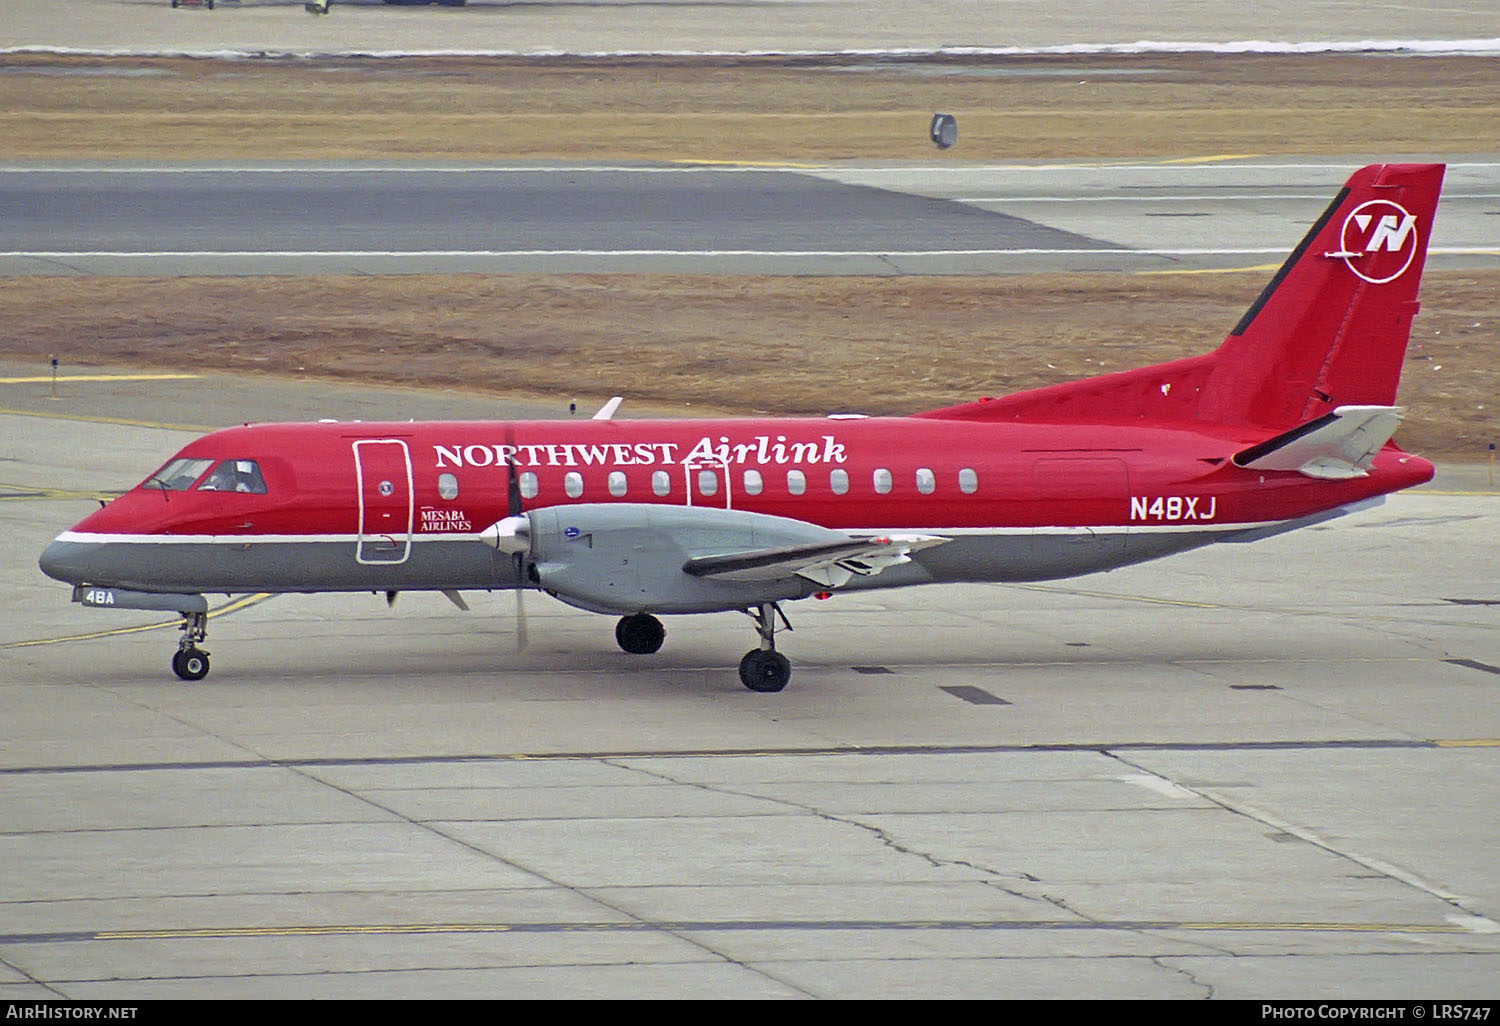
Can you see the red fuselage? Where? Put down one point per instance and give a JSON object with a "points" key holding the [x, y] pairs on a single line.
{"points": [[410, 484]]}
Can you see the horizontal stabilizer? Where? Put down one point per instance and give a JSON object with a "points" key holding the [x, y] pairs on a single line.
{"points": [[1338, 445], [828, 563]]}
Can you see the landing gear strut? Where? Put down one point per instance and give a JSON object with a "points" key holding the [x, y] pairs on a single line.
{"points": [[191, 662], [640, 634], [764, 668]]}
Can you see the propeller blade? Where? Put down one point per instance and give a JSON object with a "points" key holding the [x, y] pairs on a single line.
{"points": [[513, 483], [513, 535], [522, 638]]}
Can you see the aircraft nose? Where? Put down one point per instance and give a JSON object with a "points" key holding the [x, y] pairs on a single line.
{"points": [[63, 561]]}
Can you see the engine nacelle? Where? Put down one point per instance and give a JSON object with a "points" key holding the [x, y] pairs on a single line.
{"points": [[628, 557]]}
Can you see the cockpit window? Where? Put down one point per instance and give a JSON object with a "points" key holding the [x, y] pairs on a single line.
{"points": [[235, 476], [177, 476]]}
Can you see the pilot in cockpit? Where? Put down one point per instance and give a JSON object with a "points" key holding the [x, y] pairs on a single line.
{"points": [[235, 476]]}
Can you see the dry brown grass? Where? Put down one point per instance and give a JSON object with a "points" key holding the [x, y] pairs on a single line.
{"points": [[746, 109]]}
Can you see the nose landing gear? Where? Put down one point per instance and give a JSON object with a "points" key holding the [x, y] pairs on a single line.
{"points": [[191, 662]]}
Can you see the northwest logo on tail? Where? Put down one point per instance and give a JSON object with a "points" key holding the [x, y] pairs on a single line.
{"points": [[1378, 241]]}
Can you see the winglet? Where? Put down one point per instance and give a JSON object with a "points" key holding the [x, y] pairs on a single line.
{"points": [[607, 411], [1338, 445]]}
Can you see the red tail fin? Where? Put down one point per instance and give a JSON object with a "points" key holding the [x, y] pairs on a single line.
{"points": [[1329, 330]]}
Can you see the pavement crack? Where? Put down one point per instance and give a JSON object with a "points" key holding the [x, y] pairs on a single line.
{"points": [[990, 877], [1187, 974], [582, 892], [31, 979]]}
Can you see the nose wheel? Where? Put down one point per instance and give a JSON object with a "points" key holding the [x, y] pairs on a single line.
{"points": [[191, 662], [765, 669]]}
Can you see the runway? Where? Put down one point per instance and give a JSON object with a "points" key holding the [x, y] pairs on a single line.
{"points": [[846, 219], [1250, 772]]}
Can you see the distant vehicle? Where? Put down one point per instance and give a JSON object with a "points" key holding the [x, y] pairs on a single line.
{"points": [[1288, 423]]}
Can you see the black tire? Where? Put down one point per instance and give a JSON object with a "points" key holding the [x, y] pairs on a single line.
{"points": [[190, 664], [765, 671], [641, 634]]}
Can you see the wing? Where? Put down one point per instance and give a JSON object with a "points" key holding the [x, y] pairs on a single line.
{"points": [[832, 564]]}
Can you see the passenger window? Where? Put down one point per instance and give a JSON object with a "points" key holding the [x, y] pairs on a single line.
{"points": [[925, 481], [753, 482], [796, 482], [968, 481], [573, 484], [616, 483], [883, 481], [838, 480], [235, 476], [661, 482], [177, 476], [447, 486], [528, 485], [708, 482]]}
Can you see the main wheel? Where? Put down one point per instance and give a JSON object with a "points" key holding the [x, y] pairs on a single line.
{"points": [[640, 634], [190, 664], [763, 670]]}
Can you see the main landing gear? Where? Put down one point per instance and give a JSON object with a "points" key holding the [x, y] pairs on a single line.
{"points": [[764, 668], [641, 634], [191, 662]]}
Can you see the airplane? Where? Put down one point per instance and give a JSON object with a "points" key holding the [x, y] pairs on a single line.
{"points": [[1287, 423]]}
